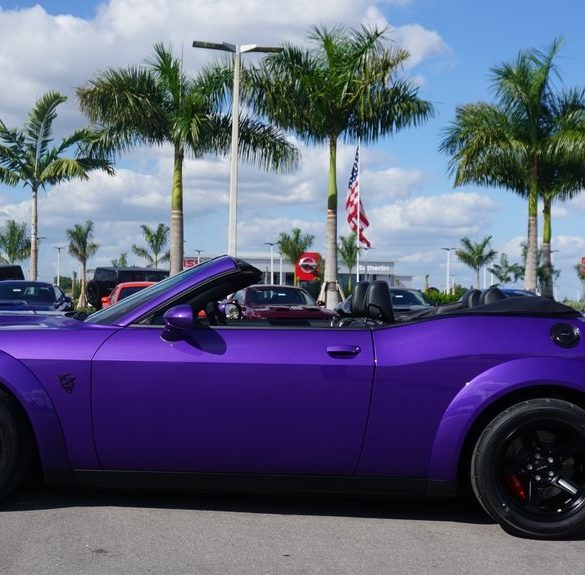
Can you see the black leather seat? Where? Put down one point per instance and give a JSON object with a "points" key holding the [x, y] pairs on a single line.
{"points": [[358, 306], [491, 295], [379, 303], [358, 299], [471, 298]]}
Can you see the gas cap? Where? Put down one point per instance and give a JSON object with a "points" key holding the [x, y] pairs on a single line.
{"points": [[565, 334]]}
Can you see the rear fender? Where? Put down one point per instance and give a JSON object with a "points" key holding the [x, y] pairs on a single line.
{"points": [[41, 413], [483, 391]]}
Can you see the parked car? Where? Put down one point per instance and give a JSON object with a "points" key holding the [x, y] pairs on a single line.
{"points": [[11, 272], [145, 393], [516, 292], [404, 301], [122, 291], [278, 302], [105, 279], [33, 296]]}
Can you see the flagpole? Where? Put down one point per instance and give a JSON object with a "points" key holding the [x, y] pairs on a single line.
{"points": [[357, 238]]}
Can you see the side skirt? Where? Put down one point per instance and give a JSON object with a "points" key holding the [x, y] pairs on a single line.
{"points": [[234, 482]]}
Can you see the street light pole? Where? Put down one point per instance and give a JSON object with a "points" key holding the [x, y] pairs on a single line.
{"points": [[367, 250], [271, 244], [198, 256], [280, 278], [59, 248], [236, 50], [448, 274]]}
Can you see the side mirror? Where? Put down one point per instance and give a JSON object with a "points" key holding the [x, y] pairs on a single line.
{"points": [[177, 320], [105, 299]]}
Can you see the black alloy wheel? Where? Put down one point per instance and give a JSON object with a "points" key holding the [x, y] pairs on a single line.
{"points": [[528, 469]]}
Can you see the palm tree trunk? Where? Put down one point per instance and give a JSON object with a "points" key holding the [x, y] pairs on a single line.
{"points": [[331, 297], [82, 301], [532, 240], [34, 242], [177, 213], [547, 284]]}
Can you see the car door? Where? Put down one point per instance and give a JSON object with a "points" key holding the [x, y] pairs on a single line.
{"points": [[233, 399]]}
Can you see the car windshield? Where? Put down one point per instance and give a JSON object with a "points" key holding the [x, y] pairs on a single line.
{"points": [[27, 291], [141, 275], [279, 296], [407, 297], [130, 290]]}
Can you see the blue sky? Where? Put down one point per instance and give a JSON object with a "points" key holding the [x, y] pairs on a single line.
{"points": [[407, 192]]}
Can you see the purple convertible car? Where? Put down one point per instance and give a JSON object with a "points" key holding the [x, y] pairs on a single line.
{"points": [[489, 394]]}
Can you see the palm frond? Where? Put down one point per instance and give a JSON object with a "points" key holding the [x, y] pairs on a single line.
{"points": [[38, 127]]}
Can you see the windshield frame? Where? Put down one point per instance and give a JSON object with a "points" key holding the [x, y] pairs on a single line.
{"points": [[113, 314]]}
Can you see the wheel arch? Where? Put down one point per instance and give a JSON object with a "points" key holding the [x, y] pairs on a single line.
{"points": [[37, 409], [491, 392]]}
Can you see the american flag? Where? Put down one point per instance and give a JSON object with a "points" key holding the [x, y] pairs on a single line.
{"points": [[353, 200]]}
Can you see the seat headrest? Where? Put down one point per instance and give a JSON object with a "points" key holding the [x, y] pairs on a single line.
{"points": [[491, 295], [471, 298], [379, 302], [358, 298]]}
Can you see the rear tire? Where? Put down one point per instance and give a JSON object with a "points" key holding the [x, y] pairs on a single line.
{"points": [[15, 445], [528, 469]]}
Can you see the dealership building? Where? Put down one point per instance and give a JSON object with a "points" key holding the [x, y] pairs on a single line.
{"points": [[281, 269]]}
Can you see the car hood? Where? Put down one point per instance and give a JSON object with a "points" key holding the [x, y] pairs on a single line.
{"points": [[36, 319], [16, 304]]}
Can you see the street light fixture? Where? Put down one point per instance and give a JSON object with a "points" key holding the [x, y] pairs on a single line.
{"points": [[198, 255], [448, 274], [236, 50], [271, 244]]}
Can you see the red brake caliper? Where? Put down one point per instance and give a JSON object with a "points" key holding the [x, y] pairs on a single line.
{"points": [[516, 487]]}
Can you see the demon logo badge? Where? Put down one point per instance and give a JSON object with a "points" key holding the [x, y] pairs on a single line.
{"points": [[67, 381]]}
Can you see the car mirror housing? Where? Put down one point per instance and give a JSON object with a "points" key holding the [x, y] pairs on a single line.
{"points": [[177, 320]]}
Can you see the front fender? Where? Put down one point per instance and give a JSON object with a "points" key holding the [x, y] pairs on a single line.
{"points": [[483, 391], [33, 398]]}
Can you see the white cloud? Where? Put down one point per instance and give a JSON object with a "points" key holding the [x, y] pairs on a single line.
{"points": [[391, 183], [420, 43], [577, 203], [453, 215]]}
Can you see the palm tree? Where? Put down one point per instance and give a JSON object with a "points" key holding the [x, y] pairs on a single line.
{"points": [[14, 242], [157, 241], [505, 271], [121, 262], [27, 158], [348, 251], [580, 270], [347, 86], [476, 255], [159, 104], [81, 247], [545, 274], [293, 246], [531, 142]]}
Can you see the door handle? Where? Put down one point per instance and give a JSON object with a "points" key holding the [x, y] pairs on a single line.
{"points": [[343, 350]]}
